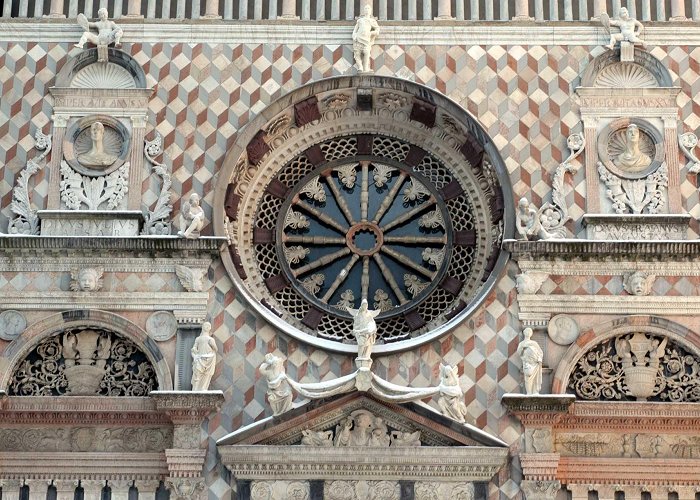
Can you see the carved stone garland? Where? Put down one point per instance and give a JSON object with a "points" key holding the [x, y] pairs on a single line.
{"points": [[84, 362], [637, 366]]}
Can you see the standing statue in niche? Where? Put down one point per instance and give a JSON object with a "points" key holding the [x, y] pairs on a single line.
{"points": [[630, 29], [107, 32], [203, 359], [363, 37], [97, 157], [364, 328], [531, 356], [632, 159], [193, 214]]}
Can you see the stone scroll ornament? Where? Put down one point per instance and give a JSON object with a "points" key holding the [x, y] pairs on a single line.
{"points": [[280, 386], [688, 142], [26, 220], [638, 366], [157, 221], [549, 221]]}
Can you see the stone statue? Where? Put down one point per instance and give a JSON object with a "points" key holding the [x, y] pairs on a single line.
{"points": [[632, 159], [630, 29], [87, 279], [279, 394], [531, 355], [405, 439], [97, 157], [527, 222], [194, 214], [364, 328], [451, 399], [107, 32], [638, 283], [203, 359], [363, 37], [317, 438]]}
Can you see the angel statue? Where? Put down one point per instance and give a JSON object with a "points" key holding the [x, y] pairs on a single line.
{"points": [[364, 328], [194, 214], [628, 29], [107, 32]]}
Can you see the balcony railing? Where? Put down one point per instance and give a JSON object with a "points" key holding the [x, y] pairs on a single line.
{"points": [[338, 10]]}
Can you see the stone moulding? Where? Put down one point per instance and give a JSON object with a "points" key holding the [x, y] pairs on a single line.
{"points": [[592, 304], [637, 227], [617, 250], [83, 465], [471, 463], [156, 245], [649, 471]]}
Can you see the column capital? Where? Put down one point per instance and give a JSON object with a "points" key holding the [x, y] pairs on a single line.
{"points": [[185, 488], [540, 490]]}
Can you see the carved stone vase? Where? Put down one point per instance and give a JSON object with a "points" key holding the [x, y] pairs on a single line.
{"points": [[84, 380], [641, 381]]}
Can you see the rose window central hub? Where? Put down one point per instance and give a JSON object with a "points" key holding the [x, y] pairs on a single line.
{"points": [[364, 239]]}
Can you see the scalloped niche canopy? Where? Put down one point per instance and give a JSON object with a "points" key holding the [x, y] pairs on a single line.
{"points": [[366, 187]]}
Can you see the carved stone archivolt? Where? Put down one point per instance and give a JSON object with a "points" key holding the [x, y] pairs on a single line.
{"points": [[84, 361], [637, 366]]}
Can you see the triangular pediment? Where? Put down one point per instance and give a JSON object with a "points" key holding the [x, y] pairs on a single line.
{"points": [[359, 419]]}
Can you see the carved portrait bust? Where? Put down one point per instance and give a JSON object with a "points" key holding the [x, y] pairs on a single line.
{"points": [[96, 145], [631, 148]]}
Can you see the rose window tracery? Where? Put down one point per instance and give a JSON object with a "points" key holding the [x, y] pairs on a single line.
{"points": [[84, 362], [376, 193]]}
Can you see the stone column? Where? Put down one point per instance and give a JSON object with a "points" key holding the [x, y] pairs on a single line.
{"points": [[522, 11], [599, 7], [10, 488], [92, 489], [65, 489], [59, 131], [37, 488], [289, 10], [675, 203], [120, 488], [134, 9], [592, 179], [56, 9], [138, 133], [444, 10], [147, 488], [678, 10], [212, 10]]}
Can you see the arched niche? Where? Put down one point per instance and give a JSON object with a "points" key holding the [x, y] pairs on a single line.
{"points": [[121, 71], [56, 324], [608, 71], [604, 336]]}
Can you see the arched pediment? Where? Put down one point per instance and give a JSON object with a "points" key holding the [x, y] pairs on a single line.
{"points": [[607, 71]]}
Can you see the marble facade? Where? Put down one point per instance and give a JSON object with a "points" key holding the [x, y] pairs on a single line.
{"points": [[553, 102]]}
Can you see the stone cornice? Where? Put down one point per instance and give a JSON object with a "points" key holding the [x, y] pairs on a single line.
{"points": [[313, 33], [82, 465], [187, 407], [608, 304], [469, 463], [595, 250], [563, 267], [539, 409], [132, 246], [600, 416]]}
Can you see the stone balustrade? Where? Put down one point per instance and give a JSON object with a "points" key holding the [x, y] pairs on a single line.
{"points": [[386, 10]]}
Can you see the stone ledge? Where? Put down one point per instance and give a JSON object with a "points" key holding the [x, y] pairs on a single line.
{"points": [[545, 403], [155, 244], [614, 471], [187, 407], [468, 463], [597, 249]]}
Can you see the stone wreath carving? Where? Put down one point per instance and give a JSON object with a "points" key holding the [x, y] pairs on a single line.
{"points": [[639, 367], [93, 192], [84, 362], [157, 221], [361, 428], [26, 220]]}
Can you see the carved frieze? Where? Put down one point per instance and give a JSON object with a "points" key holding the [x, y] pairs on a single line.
{"points": [[360, 490], [81, 439]]}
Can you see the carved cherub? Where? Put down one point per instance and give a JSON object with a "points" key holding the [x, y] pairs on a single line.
{"points": [[528, 222], [86, 279], [107, 32], [628, 29], [191, 279], [317, 438], [193, 218], [638, 283]]}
